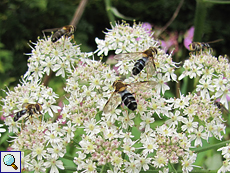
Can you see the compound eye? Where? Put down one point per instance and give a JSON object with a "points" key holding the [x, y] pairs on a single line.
{"points": [[37, 106]]}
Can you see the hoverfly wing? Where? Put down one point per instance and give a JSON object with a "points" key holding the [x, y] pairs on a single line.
{"points": [[24, 105], [150, 66], [128, 56], [224, 110], [50, 30], [143, 85], [112, 103], [119, 56]]}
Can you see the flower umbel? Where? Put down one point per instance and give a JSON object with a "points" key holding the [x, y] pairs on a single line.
{"points": [[161, 131]]}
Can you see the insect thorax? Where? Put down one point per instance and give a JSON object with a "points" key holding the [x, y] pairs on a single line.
{"points": [[119, 86]]}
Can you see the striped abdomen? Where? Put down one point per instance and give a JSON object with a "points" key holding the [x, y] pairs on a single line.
{"points": [[139, 65], [128, 100], [57, 35], [19, 114]]}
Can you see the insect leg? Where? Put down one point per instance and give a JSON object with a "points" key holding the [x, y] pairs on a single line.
{"points": [[27, 117], [122, 107], [72, 38]]}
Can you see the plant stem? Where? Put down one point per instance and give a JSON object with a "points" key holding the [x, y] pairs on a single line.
{"points": [[109, 12], [70, 168], [77, 16], [47, 78], [68, 157], [102, 169], [197, 150], [173, 17], [200, 16], [173, 169], [78, 13], [184, 87]]}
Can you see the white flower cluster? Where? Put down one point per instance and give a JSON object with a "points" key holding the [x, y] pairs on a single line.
{"points": [[89, 83], [226, 163], [27, 92], [59, 57], [42, 144], [160, 132], [89, 87], [213, 74], [125, 38]]}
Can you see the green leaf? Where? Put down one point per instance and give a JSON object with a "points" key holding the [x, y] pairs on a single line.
{"points": [[4, 137], [214, 162], [119, 15], [41, 4]]}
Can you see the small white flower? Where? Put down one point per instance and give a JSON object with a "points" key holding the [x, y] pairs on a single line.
{"points": [[49, 107], [189, 125], [223, 93], [69, 131], [174, 119], [144, 161], [198, 135], [87, 146], [149, 145], [56, 151], [160, 160], [52, 136], [187, 162], [127, 120], [79, 161], [91, 127], [38, 150], [161, 86], [225, 167], [89, 166], [205, 87], [133, 166], [54, 164], [38, 166], [25, 160], [219, 82], [2, 129], [147, 120], [225, 151]]}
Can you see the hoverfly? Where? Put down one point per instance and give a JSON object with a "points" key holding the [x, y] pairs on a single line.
{"points": [[198, 46], [126, 97], [29, 109], [221, 107], [147, 60], [66, 31]]}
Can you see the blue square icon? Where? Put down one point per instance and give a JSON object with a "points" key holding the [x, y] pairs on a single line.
{"points": [[10, 161]]}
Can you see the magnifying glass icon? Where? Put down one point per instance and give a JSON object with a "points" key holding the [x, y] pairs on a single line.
{"points": [[9, 160]]}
